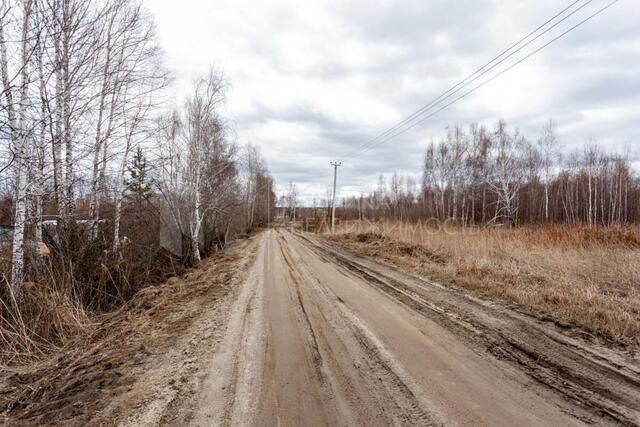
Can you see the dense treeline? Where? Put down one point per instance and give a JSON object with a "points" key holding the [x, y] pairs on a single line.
{"points": [[483, 176], [104, 187]]}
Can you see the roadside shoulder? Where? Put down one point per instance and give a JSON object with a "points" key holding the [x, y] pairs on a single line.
{"points": [[136, 360]]}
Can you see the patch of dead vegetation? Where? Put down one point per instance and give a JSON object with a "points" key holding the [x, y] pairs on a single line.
{"points": [[582, 277], [377, 243], [118, 350]]}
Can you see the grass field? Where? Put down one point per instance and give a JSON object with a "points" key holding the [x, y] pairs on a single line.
{"points": [[575, 275]]}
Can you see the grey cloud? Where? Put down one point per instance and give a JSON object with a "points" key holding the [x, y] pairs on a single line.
{"points": [[410, 52]]}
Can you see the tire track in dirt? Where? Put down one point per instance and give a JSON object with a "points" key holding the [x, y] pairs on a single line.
{"points": [[231, 387], [596, 386], [311, 340], [297, 280], [407, 407], [427, 373]]}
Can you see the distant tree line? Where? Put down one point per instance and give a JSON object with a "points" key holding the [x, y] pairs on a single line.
{"points": [[485, 176]]}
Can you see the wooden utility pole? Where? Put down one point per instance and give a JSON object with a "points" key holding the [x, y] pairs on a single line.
{"points": [[333, 203]]}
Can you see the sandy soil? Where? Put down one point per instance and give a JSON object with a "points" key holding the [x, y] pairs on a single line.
{"points": [[319, 336], [308, 334]]}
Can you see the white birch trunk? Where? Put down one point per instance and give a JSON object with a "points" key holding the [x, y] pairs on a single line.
{"points": [[195, 228], [58, 180], [93, 204], [103, 135], [17, 266], [66, 107], [546, 200], [40, 148]]}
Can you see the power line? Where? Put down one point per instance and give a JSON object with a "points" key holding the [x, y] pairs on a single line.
{"points": [[492, 77], [461, 82], [407, 122]]}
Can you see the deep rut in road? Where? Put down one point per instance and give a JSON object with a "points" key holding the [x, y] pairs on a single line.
{"points": [[362, 345], [605, 385], [291, 330], [319, 336]]}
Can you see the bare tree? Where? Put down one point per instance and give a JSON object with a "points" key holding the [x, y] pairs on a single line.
{"points": [[591, 160], [130, 79], [80, 88], [252, 168], [548, 144], [292, 200], [191, 142], [465, 175], [457, 153], [20, 135], [507, 172]]}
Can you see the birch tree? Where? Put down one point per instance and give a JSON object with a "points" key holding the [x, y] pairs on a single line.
{"points": [[20, 135], [252, 168], [549, 152], [131, 78], [292, 200], [507, 172]]}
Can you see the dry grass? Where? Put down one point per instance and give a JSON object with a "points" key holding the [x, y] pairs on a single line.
{"points": [[117, 351], [69, 288], [586, 277]]}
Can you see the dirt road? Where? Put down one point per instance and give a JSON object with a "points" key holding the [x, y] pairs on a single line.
{"points": [[317, 336]]}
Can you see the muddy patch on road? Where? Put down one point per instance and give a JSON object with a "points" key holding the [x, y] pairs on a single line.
{"points": [[597, 383]]}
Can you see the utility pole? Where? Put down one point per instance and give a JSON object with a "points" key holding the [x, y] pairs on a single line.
{"points": [[333, 203]]}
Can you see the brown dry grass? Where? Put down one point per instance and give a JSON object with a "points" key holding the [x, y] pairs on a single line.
{"points": [[72, 285], [580, 276], [117, 351]]}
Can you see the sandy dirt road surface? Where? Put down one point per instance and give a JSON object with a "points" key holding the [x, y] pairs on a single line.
{"points": [[318, 336]]}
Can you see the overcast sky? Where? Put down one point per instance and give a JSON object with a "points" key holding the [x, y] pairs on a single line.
{"points": [[310, 81]]}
